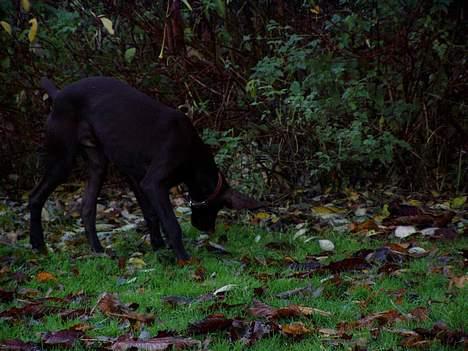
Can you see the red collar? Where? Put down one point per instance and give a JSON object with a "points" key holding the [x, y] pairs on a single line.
{"points": [[213, 195]]}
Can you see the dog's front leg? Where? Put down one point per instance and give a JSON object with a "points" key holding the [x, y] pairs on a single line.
{"points": [[149, 214], [155, 189]]}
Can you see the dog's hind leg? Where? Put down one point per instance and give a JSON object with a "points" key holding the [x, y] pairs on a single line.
{"points": [[149, 214], [56, 173], [97, 165]]}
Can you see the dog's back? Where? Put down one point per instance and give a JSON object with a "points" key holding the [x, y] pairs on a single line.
{"points": [[131, 127]]}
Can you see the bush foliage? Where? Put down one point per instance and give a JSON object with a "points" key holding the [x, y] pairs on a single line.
{"points": [[296, 92]]}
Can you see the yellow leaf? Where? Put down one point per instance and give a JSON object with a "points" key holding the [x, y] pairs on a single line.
{"points": [[33, 31], [262, 215], [107, 23], [6, 26], [322, 210], [315, 9], [43, 277], [25, 5], [414, 202], [137, 262]]}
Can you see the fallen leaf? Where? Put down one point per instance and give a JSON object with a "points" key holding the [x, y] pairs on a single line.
{"points": [[379, 318], [34, 310], [420, 314], [422, 337], [295, 329], [445, 234], [308, 311], [260, 309], [459, 282], [177, 300], [326, 245], [6, 296], [401, 210], [404, 231], [18, 345], [304, 291], [248, 332], [217, 248], [64, 338], [348, 264], [200, 274], [162, 343], [136, 262], [110, 305], [43, 277], [364, 226], [224, 289], [210, 324]]}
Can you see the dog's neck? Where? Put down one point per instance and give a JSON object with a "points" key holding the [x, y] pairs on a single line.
{"points": [[203, 180]]}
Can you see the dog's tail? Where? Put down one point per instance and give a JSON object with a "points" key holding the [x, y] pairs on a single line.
{"points": [[49, 87]]}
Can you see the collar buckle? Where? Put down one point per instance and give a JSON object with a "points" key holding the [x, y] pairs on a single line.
{"points": [[214, 195]]}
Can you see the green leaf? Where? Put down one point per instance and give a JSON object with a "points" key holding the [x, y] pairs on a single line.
{"points": [[458, 202], [220, 9], [186, 3], [130, 54], [6, 26]]}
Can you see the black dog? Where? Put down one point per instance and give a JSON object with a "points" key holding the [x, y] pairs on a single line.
{"points": [[154, 146]]}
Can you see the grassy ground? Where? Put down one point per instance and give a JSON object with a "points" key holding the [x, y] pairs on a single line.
{"points": [[422, 282]]}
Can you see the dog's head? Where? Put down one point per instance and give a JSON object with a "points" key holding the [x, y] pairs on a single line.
{"points": [[204, 217]]}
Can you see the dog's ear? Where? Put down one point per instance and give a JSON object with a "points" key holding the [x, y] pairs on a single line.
{"points": [[236, 200]]}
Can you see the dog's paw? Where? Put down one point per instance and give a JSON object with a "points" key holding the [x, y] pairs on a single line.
{"points": [[191, 261]]}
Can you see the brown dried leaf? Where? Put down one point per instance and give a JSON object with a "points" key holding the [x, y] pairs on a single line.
{"points": [[445, 234], [379, 318], [63, 338], [295, 329], [110, 305], [459, 282], [200, 274], [209, 324], [248, 332], [34, 310], [422, 337], [18, 345], [43, 277], [162, 343], [260, 309], [6, 296], [420, 314], [348, 264], [364, 226]]}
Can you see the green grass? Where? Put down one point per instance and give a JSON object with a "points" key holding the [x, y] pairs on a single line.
{"points": [[358, 294]]}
